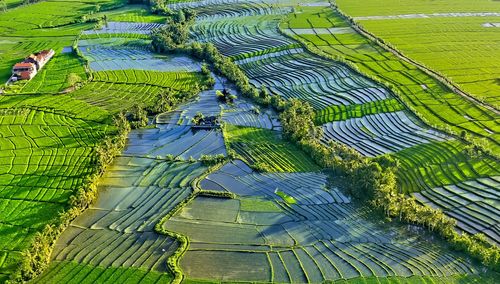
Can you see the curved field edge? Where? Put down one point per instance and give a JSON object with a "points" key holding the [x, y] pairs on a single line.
{"points": [[490, 146], [173, 260]]}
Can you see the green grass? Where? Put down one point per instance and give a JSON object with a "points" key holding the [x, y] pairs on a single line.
{"points": [[72, 272], [266, 150], [287, 198]]}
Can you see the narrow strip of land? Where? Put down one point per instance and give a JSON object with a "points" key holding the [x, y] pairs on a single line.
{"points": [[433, 15]]}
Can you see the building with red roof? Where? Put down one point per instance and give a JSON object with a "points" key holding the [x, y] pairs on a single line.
{"points": [[30, 66]]}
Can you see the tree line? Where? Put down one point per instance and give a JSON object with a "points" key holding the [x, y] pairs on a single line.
{"points": [[370, 180]]}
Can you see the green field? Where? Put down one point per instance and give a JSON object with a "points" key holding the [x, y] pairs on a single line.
{"points": [[234, 200], [264, 149], [435, 103], [428, 97], [442, 43]]}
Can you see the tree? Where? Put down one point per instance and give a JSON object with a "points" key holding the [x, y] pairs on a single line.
{"points": [[297, 121], [138, 117]]}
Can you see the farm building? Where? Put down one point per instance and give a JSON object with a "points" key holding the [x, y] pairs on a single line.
{"points": [[24, 71], [30, 66]]}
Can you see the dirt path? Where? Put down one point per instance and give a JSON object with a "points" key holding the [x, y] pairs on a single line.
{"points": [[420, 16], [430, 72]]}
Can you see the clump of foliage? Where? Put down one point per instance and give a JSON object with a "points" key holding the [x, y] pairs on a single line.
{"points": [[73, 79], [198, 118], [175, 32], [205, 71], [138, 117], [212, 160], [225, 96]]}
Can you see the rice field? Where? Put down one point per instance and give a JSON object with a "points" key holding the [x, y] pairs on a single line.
{"points": [[124, 28], [47, 145], [280, 218], [322, 236], [437, 104], [64, 272], [474, 204], [44, 155], [378, 134], [441, 38], [242, 113], [431, 161], [118, 230], [108, 54], [265, 149]]}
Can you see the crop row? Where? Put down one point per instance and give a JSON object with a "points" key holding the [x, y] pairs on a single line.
{"points": [[474, 204], [66, 271], [266, 150], [378, 134], [179, 141], [175, 80], [236, 37], [116, 97], [64, 107], [121, 53], [341, 112], [124, 27], [436, 164], [245, 114], [320, 237], [322, 83]]}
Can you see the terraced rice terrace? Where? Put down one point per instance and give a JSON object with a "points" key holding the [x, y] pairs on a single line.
{"points": [[251, 141]]}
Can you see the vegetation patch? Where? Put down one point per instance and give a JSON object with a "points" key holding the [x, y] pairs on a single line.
{"points": [[266, 150]]}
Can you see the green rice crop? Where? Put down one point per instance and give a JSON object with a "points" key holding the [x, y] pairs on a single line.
{"points": [[341, 112], [438, 105], [258, 205], [265, 149], [396, 7], [63, 71], [66, 271], [440, 163], [133, 13], [287, 198]]}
